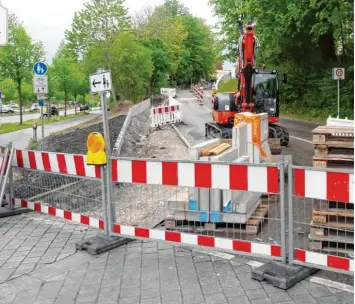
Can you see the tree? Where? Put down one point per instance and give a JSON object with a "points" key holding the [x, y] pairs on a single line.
{"points": [[100, 20], [18, 56], [64, 69]]}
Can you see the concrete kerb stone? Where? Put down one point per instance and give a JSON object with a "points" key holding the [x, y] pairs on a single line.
{"points": [[182, 137], [134, 111]]}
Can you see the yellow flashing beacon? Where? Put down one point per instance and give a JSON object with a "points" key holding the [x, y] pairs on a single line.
{"points": [[96, 149]]}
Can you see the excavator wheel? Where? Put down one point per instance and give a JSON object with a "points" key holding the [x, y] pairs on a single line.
{"points": [[276, 131], [285, 139]]}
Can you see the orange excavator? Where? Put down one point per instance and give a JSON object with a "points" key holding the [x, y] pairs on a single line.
{"points": [[255, 90]]}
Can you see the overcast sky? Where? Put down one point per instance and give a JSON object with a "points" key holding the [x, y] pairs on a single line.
{"points": [[46, 20]]}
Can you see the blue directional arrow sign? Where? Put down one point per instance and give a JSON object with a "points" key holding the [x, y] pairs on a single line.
{"points": [[40, 68]]}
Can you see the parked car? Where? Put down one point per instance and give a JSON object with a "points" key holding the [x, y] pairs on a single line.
{"points": [[6, 109], [84, 107], [34, 107], [52, 111]]}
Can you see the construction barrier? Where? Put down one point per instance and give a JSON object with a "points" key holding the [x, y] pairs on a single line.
{"points": [[157, 199], [322, 219], [165, 115], [170, 92]]}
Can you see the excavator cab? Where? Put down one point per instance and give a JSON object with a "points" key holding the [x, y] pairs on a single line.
{"points": [[266, 93]]}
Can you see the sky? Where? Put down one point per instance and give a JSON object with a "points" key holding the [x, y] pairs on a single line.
{"points": [[46, 20]]}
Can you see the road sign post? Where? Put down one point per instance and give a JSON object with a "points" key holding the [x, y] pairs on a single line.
{"points": [[101, 82], [41, 105], [338, 74], [4, 25]]}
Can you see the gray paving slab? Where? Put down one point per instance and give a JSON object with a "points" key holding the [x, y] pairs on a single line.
{"points": [[39, 264]]}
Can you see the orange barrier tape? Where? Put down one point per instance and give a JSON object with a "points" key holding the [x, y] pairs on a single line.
{"points": [[256, 122]]}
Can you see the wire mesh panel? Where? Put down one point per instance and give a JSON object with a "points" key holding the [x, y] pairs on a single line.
{"points": [[323, 218], [148, 205], [67, 193]]}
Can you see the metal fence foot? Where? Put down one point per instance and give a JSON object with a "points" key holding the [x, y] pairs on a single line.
{"points": [[11, 211], [101, 243], [281, 275]]}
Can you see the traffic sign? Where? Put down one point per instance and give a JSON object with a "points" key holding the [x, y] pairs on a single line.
{"points": [[4, 25], [338, 73], [100, 82], [0, 95], [40, 68], [41, 102], [40, 84]]}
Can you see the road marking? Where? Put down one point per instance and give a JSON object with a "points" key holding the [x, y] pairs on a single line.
{"points": [[301, 139], [315, 279], [207, 109]]}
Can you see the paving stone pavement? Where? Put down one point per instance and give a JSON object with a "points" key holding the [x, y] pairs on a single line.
{"points": [[39, 265]]}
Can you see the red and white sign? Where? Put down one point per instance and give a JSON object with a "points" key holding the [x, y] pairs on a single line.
{"points": [[338, 73]]}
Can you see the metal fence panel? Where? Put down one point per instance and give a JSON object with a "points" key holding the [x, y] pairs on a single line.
{"points": [[322, 218]]}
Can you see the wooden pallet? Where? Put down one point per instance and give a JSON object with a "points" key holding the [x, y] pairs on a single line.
{"points": [[269, 198], [333, 217], [339, 152], [251, 227], [332, 136], [332, 162], [275, 146]]}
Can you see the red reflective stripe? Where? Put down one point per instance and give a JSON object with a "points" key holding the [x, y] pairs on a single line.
{"points": [[275, 251], [24, 204], [338, 187], [79, 165], [19, 158], [37, 207], [242, 246], [173, 236], [98, 171], [160, 110], [32, 159], [338, 262], [117, 228], [139, 171], [170, 173], [272, 180], [203, 175], [84, 219], [300, 255], [114, 170], [52, 211], [67, 215], [62, 164], [238, 177], [299, 180], [101, 224], [205, 241], [166, 109], [141, 232], [46, 162]]}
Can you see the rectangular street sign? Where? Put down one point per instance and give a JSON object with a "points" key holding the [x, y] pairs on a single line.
{"points": [[100, 82], [40, 84], [338, 73], [4, 28]]}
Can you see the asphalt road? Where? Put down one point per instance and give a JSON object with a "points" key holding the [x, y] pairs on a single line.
{"points": [[21, 138], [195, 116]]}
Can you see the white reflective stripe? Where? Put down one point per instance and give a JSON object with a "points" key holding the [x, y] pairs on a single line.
{"points": [[54, 162], [39, 161], [186, 174], [262, 249], [257, 179], [351, 266], [316, 258], [31, 205], [90, 170], [94, 222], [351, 188], [69, 161], [124, 171], [220, 176], [59, 212], [154, 173], [127, 230], [157, 234], [223, 243], [76, 217], [25, 159], [316, 184], [189, 239], [44, 209]]}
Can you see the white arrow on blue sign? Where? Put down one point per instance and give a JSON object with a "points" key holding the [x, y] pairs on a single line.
{"points": [[40, 68]]}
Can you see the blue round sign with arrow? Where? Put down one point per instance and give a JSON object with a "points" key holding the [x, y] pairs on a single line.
{"points": [[40, 68]]}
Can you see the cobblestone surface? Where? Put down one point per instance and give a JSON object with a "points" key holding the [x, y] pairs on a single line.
{"points": [[39, 264]]}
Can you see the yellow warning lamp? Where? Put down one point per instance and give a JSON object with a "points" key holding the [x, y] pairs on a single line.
{"points": [[96, 149]]}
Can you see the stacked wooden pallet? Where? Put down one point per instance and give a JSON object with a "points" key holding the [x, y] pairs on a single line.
{"points": [[333, 147], [224, 145]]}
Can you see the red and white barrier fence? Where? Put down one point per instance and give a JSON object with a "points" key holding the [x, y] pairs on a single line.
{"points": [[166, 115]]}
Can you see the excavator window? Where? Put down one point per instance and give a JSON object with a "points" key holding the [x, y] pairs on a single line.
{"points": [[265, 86]]}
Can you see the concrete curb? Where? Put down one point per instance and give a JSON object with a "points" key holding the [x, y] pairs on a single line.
{"points": [[134, 111], [184, 140]]}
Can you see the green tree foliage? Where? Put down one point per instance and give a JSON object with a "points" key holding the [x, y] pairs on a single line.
{"points": [[304, 39], [18, 56]]}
